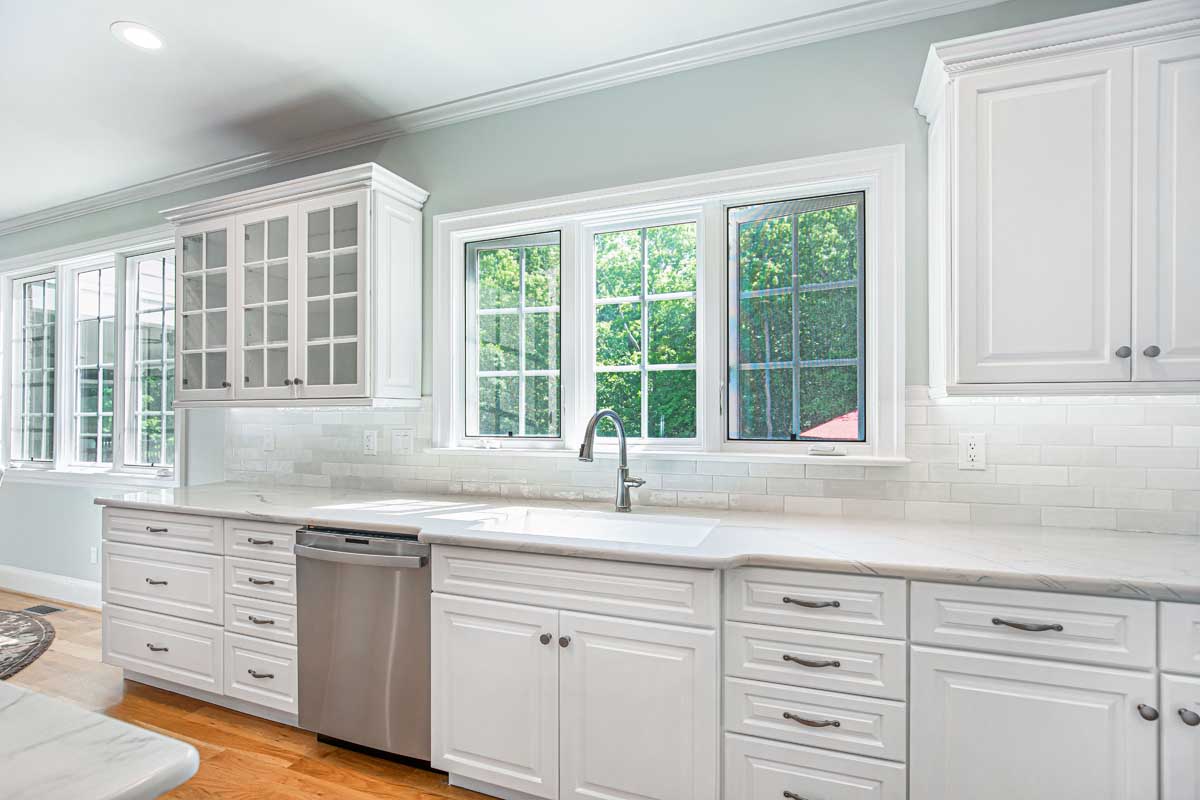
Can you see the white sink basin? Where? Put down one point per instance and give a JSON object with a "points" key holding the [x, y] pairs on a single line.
{"points": [[606, 526]]}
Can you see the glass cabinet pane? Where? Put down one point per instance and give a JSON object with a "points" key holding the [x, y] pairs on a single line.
{"points": [[266, 332], [205, 314], [332, 313]]}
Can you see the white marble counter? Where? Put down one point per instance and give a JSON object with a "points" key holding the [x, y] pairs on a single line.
{"points": [[51, 749], [1097, 562]]}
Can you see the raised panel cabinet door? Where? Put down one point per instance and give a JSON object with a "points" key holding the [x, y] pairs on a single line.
{"points": [[265, 332], [1042, 224], [1180, 738], [992, 727], [639, 714], [1167, 169], [495, 693], [204, 326]]}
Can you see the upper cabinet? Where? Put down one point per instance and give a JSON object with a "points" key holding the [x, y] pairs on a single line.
{"points": [[1060, 187], [304, 292]]}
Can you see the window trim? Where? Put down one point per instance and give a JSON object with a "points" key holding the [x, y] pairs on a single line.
{"points": [[878, 172]]}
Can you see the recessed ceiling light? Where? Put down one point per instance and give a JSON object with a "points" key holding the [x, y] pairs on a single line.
{"points": [[136, 35]]}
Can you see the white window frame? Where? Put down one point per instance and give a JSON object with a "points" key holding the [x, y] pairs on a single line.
{"points": [[65, 264], [878, 172]]}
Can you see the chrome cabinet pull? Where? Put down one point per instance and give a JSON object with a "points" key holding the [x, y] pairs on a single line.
{"points": [[564, 641], [1124, 351], [150, 529], [1025, 626], [259, 620], [813, 603], [260, 675], [812, 723], [261, 582], [815, 664], [252, 540], [1189, 717], [1149, 713], [1153, 351], [154, 649], [791, 795], [154, 582], [545, 638]]}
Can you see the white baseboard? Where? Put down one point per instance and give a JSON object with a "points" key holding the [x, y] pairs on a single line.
{"points": [[50, 586]]}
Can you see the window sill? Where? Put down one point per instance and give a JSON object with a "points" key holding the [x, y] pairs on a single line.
{"points": [[87, 477], [609, 451]]}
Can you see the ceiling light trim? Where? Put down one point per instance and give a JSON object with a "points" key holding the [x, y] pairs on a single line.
{"points": [[858, 18]]}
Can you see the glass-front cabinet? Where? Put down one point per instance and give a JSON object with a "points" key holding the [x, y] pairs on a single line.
{"points": [[306, 292]]}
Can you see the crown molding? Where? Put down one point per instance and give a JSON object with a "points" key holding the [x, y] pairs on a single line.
{"points": [[1137, 23], [130, 241], [861, 17]]}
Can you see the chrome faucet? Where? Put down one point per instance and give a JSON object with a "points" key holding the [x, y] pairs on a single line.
{"points": [[624, 482]]}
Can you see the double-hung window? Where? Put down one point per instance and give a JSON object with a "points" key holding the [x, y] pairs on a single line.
{"points": [[95, 348], [151, 438], [36, 315]]}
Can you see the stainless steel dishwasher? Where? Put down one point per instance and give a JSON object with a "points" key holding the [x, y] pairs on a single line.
{"points": [[364, 639]]}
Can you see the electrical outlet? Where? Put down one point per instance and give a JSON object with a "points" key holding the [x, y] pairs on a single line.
{"points": [[268, 441], [94, 555], [370, 443], [972, 451], [402, 442]]}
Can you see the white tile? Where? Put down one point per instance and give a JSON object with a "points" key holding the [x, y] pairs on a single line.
{"points": [[769, 469], [937, 512], [1014, 454], [756, 502], [1079, 456], [933, 453], [1157, 521], [1173, 479], [834, 471], [1179, 457], [1121, 477], [1186, 435], [1106, 415], [1055, 434], [716, 500], [819, 506], [985, 493], [1057, 495], [854, 488], [927, 434], [950, 473], [905, 490], [666, 465], [1041, 476], [794, 486], [723, 468], [1031, 415], [1173, 414], [913, 471], [739, 485], [916, 415], [1147, 499], [1079, 517], [888, 509], [1185, 500], [1133, 435], [982, 514], [961, 415], [691, 483]]}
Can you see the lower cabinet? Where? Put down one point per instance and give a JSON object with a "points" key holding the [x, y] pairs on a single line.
{"points": [[757, 769], [992, 727], [1180, 737], [558, 704]]}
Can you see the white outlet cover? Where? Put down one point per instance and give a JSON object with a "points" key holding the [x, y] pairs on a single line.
{"points": [[370, 443], [94, 555], [268, 441], [402, 442], [972, 451]]}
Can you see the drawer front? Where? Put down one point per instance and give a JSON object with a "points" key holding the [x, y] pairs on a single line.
{"points": [[1180, 631], [165, 647], [178, 531], [262, 540], [818, 601], [1097, 630], [171, 582], [617, 588], [756, 769], [265, 580], [833, 661], [261, 672], [864, 726], [263, 619]]}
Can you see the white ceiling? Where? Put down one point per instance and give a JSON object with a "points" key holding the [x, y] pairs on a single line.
{"points": [[84, 114]]}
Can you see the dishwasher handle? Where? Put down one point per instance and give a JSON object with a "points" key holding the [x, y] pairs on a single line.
{"points": [[360, 559]]}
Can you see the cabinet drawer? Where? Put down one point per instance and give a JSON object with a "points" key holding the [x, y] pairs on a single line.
{"points": [[261, 618], [261, 672], [261, 540], [265, 580], [818, 601], [165, 647], [1180, 631], [864, 726], [756, 769], [1097, 630], [180, 531], [834, 661], [622, 589], [167, 581]]}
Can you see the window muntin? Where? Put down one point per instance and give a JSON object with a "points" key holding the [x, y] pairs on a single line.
{"points": [[513, 382], [151, 440], [36, 301], [645, 329], [796, 320], [95, 318]]}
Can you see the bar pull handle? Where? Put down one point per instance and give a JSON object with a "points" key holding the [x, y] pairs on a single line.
{"points": [[261, 582], [154, 649], [812, 603], [260, 675], [812, 723], [252, 540], [1026, 626], [154, 582], [814, 664], [791, 795], [260, 620], [150, 529]]}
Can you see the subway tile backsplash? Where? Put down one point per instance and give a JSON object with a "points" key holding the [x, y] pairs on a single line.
{"points": [[1130, 463]]}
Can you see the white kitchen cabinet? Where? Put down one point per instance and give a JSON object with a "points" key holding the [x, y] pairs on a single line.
{"points": [[1180, 738], [304, 292], [1060, 255], [993, 727]]}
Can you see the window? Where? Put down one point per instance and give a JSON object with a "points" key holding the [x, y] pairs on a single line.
{"points": [[645, 329], [796, 355], [95, 364], [36, 314], [514, 379], [153, 369]]}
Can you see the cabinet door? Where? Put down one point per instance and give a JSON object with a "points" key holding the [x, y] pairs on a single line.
{"points": [[639, 710], [994, 727], [1180, 738], [1042, 223], [264, 359], [495, 693], [333, 296], [204, 326], [1167, 260]]}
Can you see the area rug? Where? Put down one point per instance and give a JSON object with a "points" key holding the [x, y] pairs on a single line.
{"points": [[23, 637]]}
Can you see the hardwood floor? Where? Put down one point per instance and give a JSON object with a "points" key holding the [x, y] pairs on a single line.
{"points": [[241, 757]]}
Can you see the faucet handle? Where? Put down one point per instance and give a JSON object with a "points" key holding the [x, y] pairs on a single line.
{"points": [[635, 482]]}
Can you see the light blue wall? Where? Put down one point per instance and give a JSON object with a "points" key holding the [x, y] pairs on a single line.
{"points": [[827, 97]]}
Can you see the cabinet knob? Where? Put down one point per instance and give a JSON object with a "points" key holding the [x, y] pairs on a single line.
{"points": [[1189, 717], [298, 381], [545, 638], [287, 381], [1152, 351], [226, 384], [1124, 351], [564, 641], [1149, 713]]}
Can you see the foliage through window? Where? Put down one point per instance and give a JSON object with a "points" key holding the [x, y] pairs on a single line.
{"points": [[513, 337], [95, 363], [153, 373], [36, 311], [796, 355], [645, 335]]}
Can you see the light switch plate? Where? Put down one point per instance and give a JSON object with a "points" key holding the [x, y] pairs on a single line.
{"points": [[370, 443], [268, 441], [972, 451], [402, 442]]}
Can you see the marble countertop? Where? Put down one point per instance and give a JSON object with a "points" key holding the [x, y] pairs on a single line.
{"points": [[1140, 565], [51, 749]]}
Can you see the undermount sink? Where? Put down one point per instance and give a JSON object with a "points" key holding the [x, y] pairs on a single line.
{"points": [[607, 526]]}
